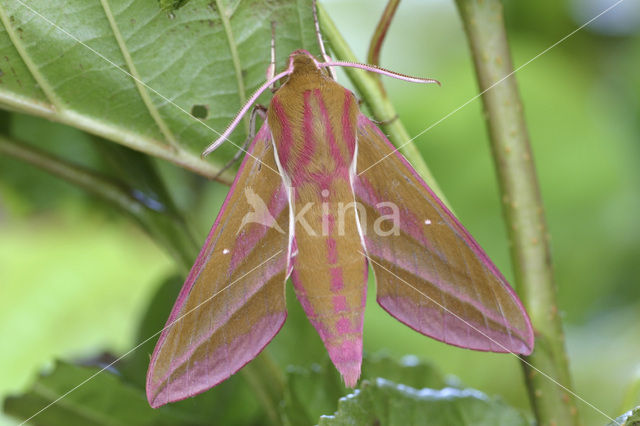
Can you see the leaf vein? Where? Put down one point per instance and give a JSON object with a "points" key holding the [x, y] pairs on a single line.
{"points": [[31, 66], [142, 90], [234, 56]]}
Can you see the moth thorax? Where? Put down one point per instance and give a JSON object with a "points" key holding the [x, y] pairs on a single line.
{"points": [[304, 64]]}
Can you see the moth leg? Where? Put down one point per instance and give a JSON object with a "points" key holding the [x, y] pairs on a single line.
{"points": [[378, 122], [255, 111], [385, 122]]}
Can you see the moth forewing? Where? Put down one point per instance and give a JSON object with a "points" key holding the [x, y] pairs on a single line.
{"points": [[315, 154]]}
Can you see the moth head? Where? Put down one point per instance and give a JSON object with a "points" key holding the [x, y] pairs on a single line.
{"points": [[303, 61]]}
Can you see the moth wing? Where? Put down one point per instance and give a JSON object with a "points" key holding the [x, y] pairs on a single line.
{"points": [[233, 301], [431, 274]]}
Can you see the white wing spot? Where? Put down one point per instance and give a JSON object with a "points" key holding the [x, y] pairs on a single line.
{"points": [[427, 222], [225, 251]]}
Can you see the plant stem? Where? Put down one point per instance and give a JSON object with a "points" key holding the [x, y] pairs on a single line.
{"points": [[522, 209], [375, 46], [381, 107]]}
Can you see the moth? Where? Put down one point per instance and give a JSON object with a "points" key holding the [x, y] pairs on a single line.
{"points": [[320, 196]]}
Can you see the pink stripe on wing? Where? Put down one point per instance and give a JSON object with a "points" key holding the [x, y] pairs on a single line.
{"points": [[332, 251], [309, 145], [343, 326], [337, 283], [347, 124], [340, 162], [339, 304], [215, 367], [246, 242], [409, 224], [285, 142]]}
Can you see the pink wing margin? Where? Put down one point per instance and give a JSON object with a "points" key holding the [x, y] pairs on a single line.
{"points": [[233, 301], [431, 274]]}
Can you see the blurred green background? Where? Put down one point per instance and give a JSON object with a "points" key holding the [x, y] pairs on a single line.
{"points": [[75, 275]]}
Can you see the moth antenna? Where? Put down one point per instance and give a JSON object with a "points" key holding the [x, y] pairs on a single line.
{"points": [[224, 136], [257, 110], [325, 57], [379, 70], [271, 69]]}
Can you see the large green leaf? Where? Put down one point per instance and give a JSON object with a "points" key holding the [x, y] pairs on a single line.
{"points": [[102, 400], [110, 399], [386, 403], [312, 392], [65, 62], [170, 5]]}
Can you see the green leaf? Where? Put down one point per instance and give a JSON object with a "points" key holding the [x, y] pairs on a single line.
{"points": [[630, 418], [311, 392], [314, 391], [410, 371], [108, 399], [102, 400], [170, 5], [209, 58], [386, 403]]}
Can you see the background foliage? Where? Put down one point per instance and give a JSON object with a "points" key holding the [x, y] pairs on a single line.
{"points": [[77, 277]]}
